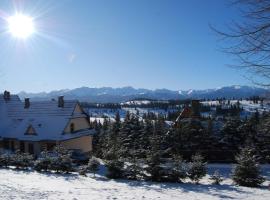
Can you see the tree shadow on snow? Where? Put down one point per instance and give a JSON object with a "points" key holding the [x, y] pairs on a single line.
{"points": [[221, 191]]}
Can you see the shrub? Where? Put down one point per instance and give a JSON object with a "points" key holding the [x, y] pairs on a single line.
{"points": [[154, 168], [216, 178], [177, 172], [114, 169], [21, 160], [59, 160], [44, 162], [197, 168], [247, 172], [5, 160], [82, 171], [133, 171], [93, 165]]}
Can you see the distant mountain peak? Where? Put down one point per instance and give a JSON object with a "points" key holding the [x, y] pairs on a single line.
{"points": [[113, 95]]}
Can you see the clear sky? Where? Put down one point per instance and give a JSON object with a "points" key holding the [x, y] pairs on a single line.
{"points": [[94, 43]]}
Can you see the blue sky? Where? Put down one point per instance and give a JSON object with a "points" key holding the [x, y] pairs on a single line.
{"points": [[140, 43]]}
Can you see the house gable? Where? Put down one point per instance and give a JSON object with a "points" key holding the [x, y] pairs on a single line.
{"points": [[77, 109], [76, 124]]}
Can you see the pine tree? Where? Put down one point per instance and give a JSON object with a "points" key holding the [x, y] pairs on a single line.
{"points": [[114, 169], [231, 138], [93, 165], [22, 160], [62, 161], [177, 172], [44, 162], [5, 160], [216, 178], [247, 172], [154, 168], [112, 143], [197, 168], [133, 170], [144, 140]]}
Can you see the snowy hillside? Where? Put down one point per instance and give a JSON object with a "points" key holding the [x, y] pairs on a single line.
{"points": [[33, 185]]}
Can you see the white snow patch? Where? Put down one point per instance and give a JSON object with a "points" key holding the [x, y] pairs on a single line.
{"points": [[33, 185]]}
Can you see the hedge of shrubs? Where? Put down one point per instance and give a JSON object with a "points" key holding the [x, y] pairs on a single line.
{"points": [[59, 160], [246, 173]]}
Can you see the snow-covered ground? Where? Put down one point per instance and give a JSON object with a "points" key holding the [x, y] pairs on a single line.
{"points": [[33, 185]]}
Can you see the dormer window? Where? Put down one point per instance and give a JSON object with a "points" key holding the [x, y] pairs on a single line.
{"points": [[30, 130], [72, 127]]}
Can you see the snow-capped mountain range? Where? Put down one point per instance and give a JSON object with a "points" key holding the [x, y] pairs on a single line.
{"points": [[113, 95]]}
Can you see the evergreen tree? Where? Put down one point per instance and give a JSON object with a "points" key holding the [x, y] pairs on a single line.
{"points": [[197, 168], [177, 172], [263, 138], [154, 168], [133, 171], [231, 138], [113, 145], [61, 162], [22, 160], [44, 162], [93, 165], [247, 172], [5, 160], [144, 140], [114, 169], [97, 141], [216, 178]]}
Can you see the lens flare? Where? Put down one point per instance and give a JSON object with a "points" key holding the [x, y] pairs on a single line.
{"points": [[21, 26]]}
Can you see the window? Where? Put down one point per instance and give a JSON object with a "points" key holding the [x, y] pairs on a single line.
{"points": [[31, 148], [30, 130], [22, 149], [72, 127], [6, 144], [12, 146]]}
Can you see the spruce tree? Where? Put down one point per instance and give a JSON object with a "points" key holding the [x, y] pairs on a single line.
{"points": [[197, 169], [154, 168], [44, 162], [216, 178], [93, 165], [133, 170], [114, 169], [247, 172], [177, 172]]}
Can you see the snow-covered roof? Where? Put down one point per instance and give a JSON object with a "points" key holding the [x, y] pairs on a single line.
{"points": [[46, 118]]}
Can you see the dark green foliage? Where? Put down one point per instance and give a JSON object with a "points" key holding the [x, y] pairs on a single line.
{"points": [[21, 160], [93, 165], [83, 170], [133, 170], [61, 161], [154, 168], [247, 172], [216, 178], [177, 172], [44, 162], [5, 160], [197, 168], [114, 169]]}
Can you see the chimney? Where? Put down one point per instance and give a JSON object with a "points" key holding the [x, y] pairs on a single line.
{"points": [[26, 103], [6, 95], [61, 101]]}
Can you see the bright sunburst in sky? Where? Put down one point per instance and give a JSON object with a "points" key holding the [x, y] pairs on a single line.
{"points": [[47, 44], [21, 26]]}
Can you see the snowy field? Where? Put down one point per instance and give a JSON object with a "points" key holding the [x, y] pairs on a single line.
{"points": [[33, 185]]}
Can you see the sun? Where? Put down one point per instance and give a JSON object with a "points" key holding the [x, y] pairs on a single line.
{"points": [[21, 26]]}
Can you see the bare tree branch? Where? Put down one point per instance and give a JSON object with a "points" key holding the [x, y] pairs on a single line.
{"points": [[249, 40]]}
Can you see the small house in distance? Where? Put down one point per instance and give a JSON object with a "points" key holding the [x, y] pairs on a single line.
{"points": [[40, 125]]}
